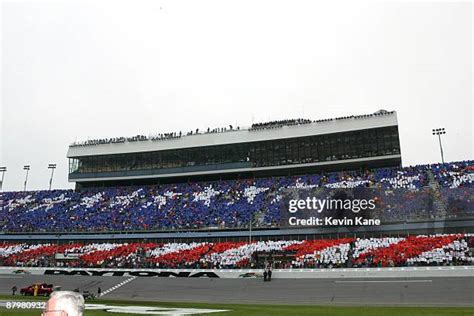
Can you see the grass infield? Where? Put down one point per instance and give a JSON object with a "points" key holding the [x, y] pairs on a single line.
{"points": [[263, 310]]}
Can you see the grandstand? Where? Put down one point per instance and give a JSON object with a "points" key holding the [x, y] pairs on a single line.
{"points": [[447, 249], [202, 208], [279, 148], [425, 192]]}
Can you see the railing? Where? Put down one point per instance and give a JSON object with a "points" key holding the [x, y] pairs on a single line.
{"points": [[255, 229]]}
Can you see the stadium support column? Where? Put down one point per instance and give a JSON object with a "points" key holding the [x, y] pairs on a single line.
{"points": [[250, 231], [27, 169], [2, 170], [439, 132], [57, 243]]}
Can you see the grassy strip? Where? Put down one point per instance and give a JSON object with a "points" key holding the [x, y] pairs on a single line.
{"points": [[270, 310]]}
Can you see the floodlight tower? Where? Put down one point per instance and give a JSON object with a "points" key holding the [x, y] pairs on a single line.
{"points": [[438, 132], [2, 170], [27, 169], [51, 166]]}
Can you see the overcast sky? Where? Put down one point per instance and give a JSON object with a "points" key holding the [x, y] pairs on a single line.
{"points": [[73, 70]]}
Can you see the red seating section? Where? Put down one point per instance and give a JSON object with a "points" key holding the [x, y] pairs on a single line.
{"points": [[201, 256], [311, 246], [37, 253], [189, 256], [101, 256], [412, 246]]}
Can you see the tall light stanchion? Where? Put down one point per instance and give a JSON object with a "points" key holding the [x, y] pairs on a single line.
{"points": [[250, 231], [51, 166], [27, 169], [438, 132], [2, 170]]}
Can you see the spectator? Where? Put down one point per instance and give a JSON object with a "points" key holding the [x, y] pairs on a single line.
{"points": [[64, 302]]}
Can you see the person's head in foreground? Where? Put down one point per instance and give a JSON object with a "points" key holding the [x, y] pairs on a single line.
{"points": [[64, 303]]}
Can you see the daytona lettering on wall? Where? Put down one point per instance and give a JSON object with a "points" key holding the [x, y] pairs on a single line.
{"points": [[121, 273]]}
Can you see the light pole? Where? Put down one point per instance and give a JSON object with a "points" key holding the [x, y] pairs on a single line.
{"points": [[27, 169], [2, 170], [438, 132], [51, 166], [250, 231]]}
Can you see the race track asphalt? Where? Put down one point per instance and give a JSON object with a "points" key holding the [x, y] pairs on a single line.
{"points": [[434, 291]]}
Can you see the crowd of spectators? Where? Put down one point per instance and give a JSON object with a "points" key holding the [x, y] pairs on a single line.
{"points": [[402, 193], [433, 250], [454, 175], [165, 136], [279, 123], [255, 126], [301, 121], [416, 248], [153, 137], [349, 117]]}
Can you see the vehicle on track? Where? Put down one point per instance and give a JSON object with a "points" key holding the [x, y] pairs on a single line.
{"points": [[44, 289], [88, 295]]}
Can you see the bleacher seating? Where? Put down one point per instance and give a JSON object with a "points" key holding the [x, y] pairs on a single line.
{"points": [[453, 249], [226, 204]]}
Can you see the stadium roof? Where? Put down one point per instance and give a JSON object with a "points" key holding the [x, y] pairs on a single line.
{"points": [[258, 132]]}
